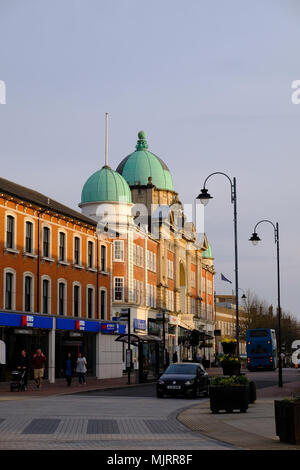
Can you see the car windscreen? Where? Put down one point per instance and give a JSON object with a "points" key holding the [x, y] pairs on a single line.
{"points": [[188, 369]]}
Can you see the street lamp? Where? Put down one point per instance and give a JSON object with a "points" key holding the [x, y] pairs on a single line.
{"points": [[204, 198], [255, 239], [244, 297]]}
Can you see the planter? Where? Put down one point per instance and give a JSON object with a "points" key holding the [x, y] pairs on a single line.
{"points": [[231, 368], [287, 419], [252, 392], [229, 348], [229, 398]]}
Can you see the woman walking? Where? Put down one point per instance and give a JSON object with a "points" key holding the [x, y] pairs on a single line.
{"points": [[81, 368], [69, 369]]}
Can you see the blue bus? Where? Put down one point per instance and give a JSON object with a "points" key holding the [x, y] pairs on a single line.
{"points": [[261, 349]]}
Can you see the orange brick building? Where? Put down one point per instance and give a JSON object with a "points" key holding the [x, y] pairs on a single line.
{"points": [[67, 276]]}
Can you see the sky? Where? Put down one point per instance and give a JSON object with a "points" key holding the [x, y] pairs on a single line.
{"points": [[208, 81]]}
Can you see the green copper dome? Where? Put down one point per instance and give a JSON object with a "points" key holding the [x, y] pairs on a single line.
{"points": [[207, 253], [137, 167], [106, 185]]}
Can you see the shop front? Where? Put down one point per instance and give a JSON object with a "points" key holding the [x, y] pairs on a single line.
{"points": [[75, 336], [22, 331]]}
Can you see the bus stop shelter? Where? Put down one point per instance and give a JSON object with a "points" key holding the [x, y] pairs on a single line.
{"points": [[150, 354]]}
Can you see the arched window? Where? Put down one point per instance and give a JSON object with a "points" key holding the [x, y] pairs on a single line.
{"points": [[76, 299], [46, 242], [62, 297], [10, 232], [28, 237], [9, 289], [103, 304], [46, 294], [28, 292]]}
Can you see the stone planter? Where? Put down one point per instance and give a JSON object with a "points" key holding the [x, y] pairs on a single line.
{"points": [[231, 368], [287, 419], [229, 398]]}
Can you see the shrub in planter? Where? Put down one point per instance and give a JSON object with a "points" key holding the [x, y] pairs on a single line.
{"points": [[229, 346], [230, 365], [287, 419], [229, 393]]}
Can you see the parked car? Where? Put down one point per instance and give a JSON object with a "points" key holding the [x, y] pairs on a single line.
{"points": [[188, 379]]}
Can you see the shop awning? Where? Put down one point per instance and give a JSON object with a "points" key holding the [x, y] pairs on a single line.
{"points": [[137, 339]]}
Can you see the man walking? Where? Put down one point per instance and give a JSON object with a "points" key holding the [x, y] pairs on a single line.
{"points": [[39, 360], [23, 367]]}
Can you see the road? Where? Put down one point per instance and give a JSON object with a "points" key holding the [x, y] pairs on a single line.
{"points": [[119, 419]]}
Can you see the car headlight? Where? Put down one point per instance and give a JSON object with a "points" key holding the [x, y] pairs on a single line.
{"points": [[161, 382], [189, 382]]}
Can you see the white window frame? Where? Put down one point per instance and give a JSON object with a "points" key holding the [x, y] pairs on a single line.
{"points": [[31, 221], [62, 281], [50, 240], [89, 240], [46, 278], [76, 284], [170, 269], [14, 247], [103, 289], [80, 249], [141, 256], [121, 251], [90, 286], [123, 288], [66, 246], [105, 260], [13, 300], [29, 274]]}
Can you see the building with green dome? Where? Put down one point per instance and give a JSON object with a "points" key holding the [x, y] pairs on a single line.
{"points": [[208, 253], [142, 164], [106, 192], [157, 261], [105, 185]]}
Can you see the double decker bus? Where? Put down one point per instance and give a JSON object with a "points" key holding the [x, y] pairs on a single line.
{"points": [[261, 349]]}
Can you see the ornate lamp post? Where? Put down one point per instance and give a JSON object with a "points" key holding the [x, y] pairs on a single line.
{"points": [[255, 239], [204, 198]]}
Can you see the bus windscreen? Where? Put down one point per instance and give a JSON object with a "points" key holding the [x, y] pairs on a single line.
{"points": [[258, 333]]}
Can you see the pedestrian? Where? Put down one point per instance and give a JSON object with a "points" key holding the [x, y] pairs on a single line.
{"points": [[175, 357], [69, 369], [23, 366], [39, 360], [81, 368]]}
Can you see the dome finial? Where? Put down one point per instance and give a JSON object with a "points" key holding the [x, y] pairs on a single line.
{"points": [[142, 142]]}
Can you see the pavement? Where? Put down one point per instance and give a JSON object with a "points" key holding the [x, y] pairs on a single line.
{"points": [[110, 414], [254, 430]]}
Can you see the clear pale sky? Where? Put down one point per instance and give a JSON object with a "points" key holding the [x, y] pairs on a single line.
{"points": [[208, 81]]}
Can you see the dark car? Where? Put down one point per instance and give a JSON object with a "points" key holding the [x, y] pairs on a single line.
{"points": [[188, 379]]}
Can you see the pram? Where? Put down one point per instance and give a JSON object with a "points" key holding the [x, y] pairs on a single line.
{"points": [[17, 382]]}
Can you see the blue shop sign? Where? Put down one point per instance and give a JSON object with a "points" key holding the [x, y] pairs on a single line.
{"points": [[139, 324], [112, 328], [77, 325], [25, 320]]}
